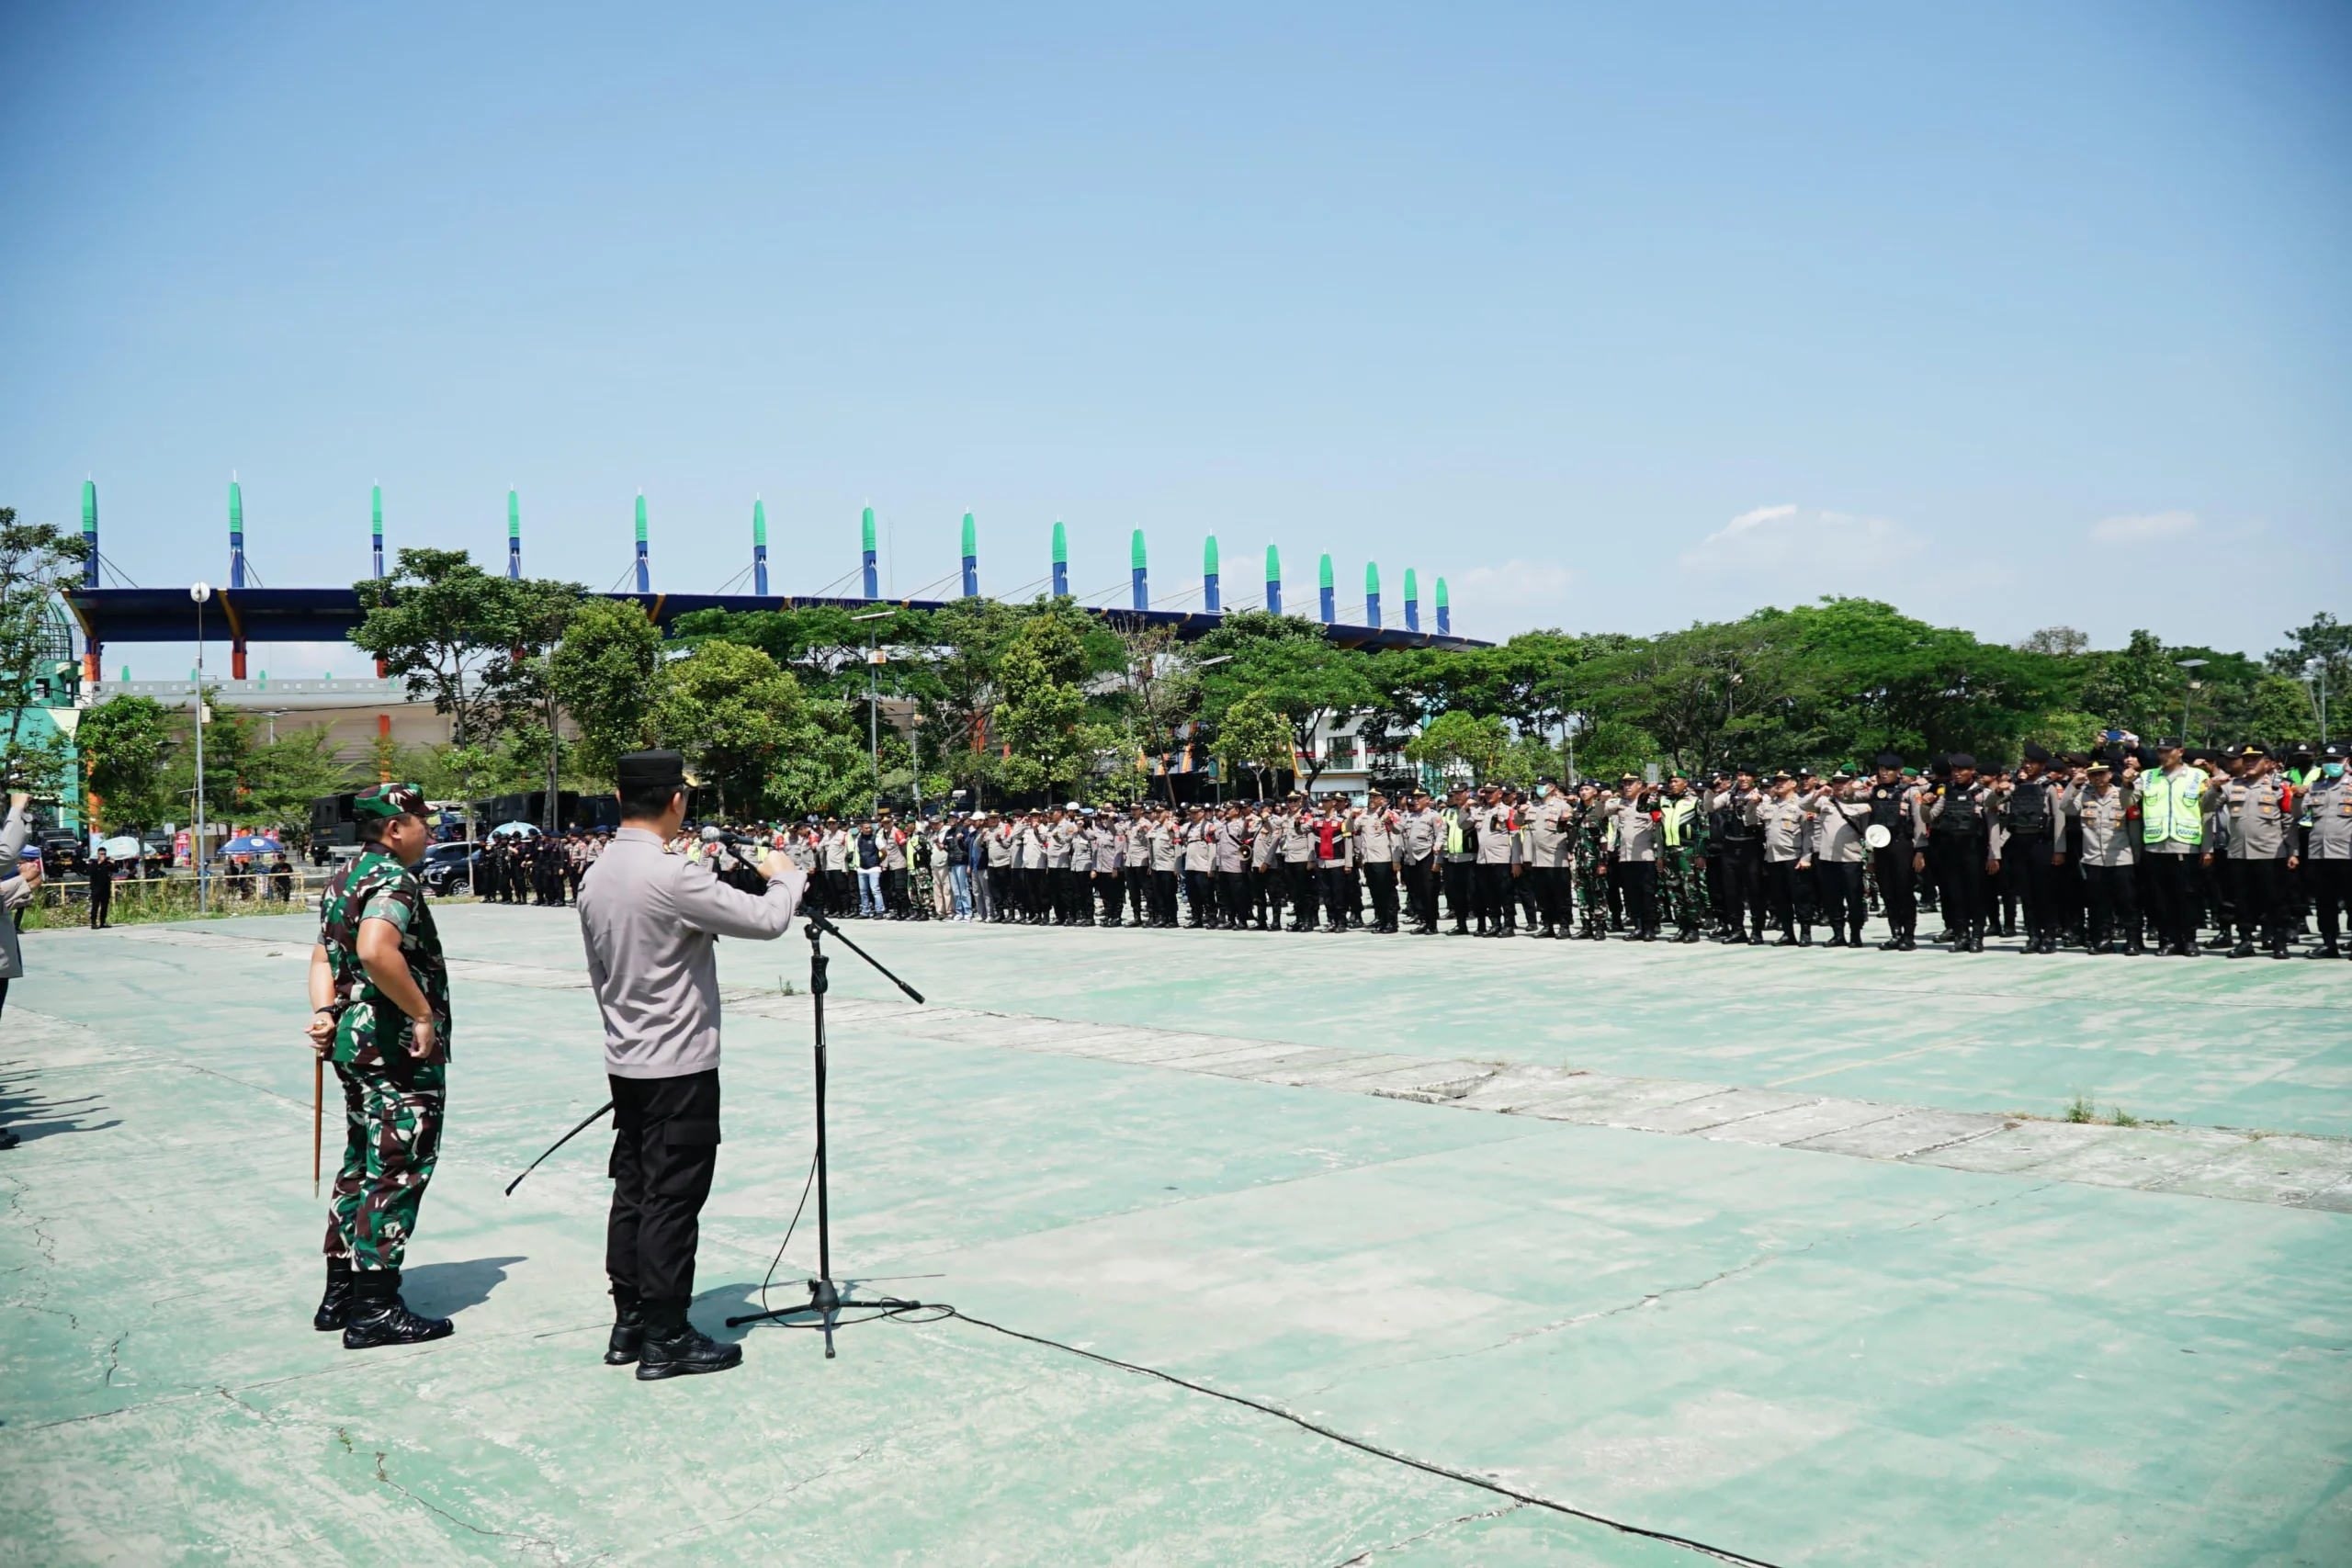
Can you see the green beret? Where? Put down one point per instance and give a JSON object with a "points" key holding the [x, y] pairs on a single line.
{"points": [[388, 800]]}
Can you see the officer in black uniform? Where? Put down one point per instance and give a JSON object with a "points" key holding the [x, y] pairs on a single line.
{"points": [[1895, 807]]}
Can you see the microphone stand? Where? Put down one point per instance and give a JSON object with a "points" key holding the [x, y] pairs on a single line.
{"points": [[826, 1301]]}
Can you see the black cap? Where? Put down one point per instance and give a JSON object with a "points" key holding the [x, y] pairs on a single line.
{"points": [[2036, 752], [638, 772], [2331, 752], [1960, 759], [1888, 760]]}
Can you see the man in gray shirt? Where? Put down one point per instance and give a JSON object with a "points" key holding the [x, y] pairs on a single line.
{"points": [[649, 919]]}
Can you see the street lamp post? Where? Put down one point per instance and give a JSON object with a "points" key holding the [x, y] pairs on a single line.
{"points": [[199, 593], [2315, 674], [874, 701], [2192, 666]]}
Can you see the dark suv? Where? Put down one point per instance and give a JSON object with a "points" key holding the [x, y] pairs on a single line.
{"points": [[449, 868]]}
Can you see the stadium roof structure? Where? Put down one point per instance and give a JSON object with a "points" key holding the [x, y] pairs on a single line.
{"points": [[329, 615]]}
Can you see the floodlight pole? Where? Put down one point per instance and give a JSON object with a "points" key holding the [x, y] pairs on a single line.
{"points": [[199, 593], [2189, 685]]}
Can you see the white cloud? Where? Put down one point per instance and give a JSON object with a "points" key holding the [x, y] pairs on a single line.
{"points": [[2150, 525], [1514, 595], [1785, 542]]}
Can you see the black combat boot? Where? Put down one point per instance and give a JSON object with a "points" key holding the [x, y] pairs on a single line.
{"points": [[379, 1316], [628, 1327], [335, 1306], [2243, 950], [673, 1347], [2327, 950]]}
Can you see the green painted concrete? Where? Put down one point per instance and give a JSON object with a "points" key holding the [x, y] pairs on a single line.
{"points": [[1806, 1359]]}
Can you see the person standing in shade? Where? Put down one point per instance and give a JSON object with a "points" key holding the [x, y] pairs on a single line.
{"points": [[649, 919], [100, 871]]}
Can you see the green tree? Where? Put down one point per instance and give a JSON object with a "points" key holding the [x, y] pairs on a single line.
{"points": [[1043, 717], [749, 731], [279, 779], [123, 742], [1252, 735], [606, 673], [1477, 741], [37, 562], [1292, 668]]}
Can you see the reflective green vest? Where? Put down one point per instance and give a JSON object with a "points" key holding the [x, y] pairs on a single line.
{"points": [[2171, 806], [1674, 816]]}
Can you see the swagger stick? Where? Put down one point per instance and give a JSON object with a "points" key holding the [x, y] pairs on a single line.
{"points": [[318, 1113], [556, 1144]]}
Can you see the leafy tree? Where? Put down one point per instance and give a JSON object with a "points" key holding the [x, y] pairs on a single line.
{"points": [[123, 741], [1253, 735], [37, 560], [436, 624], [278, 779], [1292, 668], [749, 731], [1477, 741], [1043, 718], [519, 680], [1159, 694], [606, 673]]}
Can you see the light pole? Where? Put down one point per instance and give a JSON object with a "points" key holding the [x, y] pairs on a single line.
{"points": [[874, 701], [2192, 666], [2315, 674], [199, 593]]}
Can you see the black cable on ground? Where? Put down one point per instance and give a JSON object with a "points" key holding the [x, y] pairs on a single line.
{"points": [[787, 1234], [940, 1310]]}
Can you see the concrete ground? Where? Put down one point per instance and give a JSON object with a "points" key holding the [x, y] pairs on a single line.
{"points": [[1765, 1250]]}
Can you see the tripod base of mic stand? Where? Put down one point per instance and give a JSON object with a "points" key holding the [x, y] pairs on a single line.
{"points": [[826, 1301]]}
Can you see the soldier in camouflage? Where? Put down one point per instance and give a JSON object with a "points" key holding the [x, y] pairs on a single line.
{"points": [[1591, 846], [380, 993], [1681, 856]]}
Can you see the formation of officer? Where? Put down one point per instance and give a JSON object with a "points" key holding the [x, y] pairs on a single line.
{"points": [[2132, 851], [538, 868]]}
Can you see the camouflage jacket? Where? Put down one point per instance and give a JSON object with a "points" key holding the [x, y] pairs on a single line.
{"points": [[369, 1031]]}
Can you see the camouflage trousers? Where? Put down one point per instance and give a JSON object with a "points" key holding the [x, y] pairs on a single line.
{"points": [[1681, 898], [392, 1139], [1592, 887]]}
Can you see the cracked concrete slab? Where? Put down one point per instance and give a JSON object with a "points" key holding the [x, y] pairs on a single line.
{"points": [[1895, 1137], [2278, 1170], [1798, 1123]]}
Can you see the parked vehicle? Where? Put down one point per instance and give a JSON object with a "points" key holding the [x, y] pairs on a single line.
{"points": [[449, 868]]}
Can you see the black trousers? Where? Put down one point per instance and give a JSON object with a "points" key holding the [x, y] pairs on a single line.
{"points": [[101, 900], [2172, 898], [1494, 896], [1107, 892], [2025, 862], [1839, 883], [1780, 895], [1266, 888], [1163, 897], [2113, 894], [1459, 876], [1138, 879], [2331, 887], [1331, 887], [1551, 889], [1965, 906], [1893, 865], [1233, 892], [1199, 893], [1743, 871], [1635, 882], [1380, 881], [1299, 878], [665, 1146], [1420, 892], [2261, 888]]}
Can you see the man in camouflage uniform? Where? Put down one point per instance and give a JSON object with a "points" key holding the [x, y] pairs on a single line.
{"points": [[1681, 856], [381, 998]]}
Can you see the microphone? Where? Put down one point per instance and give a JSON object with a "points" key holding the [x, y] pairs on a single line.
{"points": [[714, 834]]}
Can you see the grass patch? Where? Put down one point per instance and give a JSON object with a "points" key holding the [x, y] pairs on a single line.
{"points": [[2083, 1109]]}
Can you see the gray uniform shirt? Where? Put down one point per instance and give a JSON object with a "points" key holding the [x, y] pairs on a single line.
{"points": [[2327, 810], [1837, 828], [1547, 832], [649, 919], [1164, 837], [1107, 843], [1376, 833], [1297, 848], [1784, 828], [2258, 824], [2111, 834], [1630, 826], [1232, 845], [1497, 835], [1419, 833]]}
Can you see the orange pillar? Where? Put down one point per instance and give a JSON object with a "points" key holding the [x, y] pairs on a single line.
{"points": [[384, 734]]}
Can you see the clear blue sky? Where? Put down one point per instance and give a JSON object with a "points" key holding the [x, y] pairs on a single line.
{"points": [[1616, 317]]}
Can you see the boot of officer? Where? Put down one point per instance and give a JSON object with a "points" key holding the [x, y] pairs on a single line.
{"points": [[649, 919]]}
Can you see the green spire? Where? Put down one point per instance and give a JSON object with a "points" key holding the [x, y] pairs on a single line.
{"points": [[236, 508], [89, 506], [1412, 584], [515, 515], [1208, 556], [640, 517], [971, 535], [759, 522], [1371, 578], [1135, 551], [1274, 564], [869, 537], [376, 508], [1441, 593], [1061, 544], [1323, 573]]}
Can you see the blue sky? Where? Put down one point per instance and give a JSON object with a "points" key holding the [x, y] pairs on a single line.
{"points": [[1617, 318]]}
